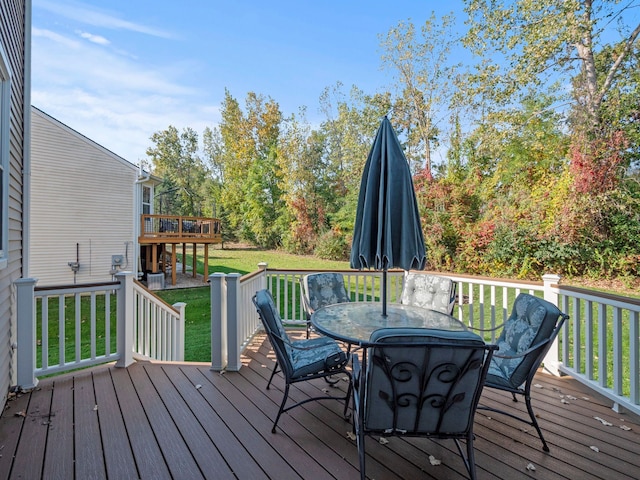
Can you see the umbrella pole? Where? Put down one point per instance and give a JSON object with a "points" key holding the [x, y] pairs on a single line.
{"points": [[384, 292]]}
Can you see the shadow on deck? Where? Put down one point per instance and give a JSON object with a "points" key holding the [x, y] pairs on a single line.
{"points": [[185, 421]]}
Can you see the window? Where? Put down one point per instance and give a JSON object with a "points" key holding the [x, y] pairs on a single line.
{"points": [[146, 200], [5, 112]]}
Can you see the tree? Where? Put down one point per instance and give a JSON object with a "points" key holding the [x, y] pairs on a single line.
{"points": [[543, 41], [424, 79], [243, 155], [349, 129], [174, 156]]}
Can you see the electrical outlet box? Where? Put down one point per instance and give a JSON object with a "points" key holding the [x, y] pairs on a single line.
{"points": [[117, 260]]}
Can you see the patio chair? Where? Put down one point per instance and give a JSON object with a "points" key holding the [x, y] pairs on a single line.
{"points": [[429, 291], [420, 382], [319, 290], [300, 360], [525, 339]]}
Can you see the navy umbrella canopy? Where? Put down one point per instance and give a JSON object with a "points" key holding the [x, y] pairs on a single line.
{"points": [[387, 232]]}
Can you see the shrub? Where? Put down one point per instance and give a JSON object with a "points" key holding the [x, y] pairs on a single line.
{"points": [[333, 245]]}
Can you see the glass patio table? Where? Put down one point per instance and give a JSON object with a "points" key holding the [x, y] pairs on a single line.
{"points": [[354, 322]]}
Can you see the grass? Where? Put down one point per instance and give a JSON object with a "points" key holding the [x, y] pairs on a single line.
{"points": [[197, 346], [245, 260], [72, 307]]}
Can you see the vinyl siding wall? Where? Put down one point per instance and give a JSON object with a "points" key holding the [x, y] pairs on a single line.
{"points": [[12, 31], [82, 200]]}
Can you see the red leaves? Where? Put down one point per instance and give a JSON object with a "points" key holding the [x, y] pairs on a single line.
{"points": [[595, 164]]}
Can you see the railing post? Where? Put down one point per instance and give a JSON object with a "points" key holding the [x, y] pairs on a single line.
{"points": [[125, 319], [233, 307], [218, 322], [551, 361], [26, 331], [263, 267], [179, 340]]}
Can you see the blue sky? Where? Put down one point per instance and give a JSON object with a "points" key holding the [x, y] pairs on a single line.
{"points": [[119, 70]]}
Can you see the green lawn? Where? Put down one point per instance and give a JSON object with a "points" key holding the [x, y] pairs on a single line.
{"points": [[197, 346]]}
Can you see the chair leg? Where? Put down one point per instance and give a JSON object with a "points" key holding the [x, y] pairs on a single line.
{"points": [[361, 452], [284, 400], [471, 459], [275, 370], [534, 422], [347, 400]]}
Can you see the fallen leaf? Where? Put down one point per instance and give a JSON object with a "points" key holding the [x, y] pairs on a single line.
{"points": [[95, 408], [571, 397], [21, 413], [604, 422], [531, 467], [624, 427], [351, 435], [434, 461], [595, 449], [562, 400], [537, 385], [345, 379], [325, 390], [585, 398], [198, 387], [383, 441]]}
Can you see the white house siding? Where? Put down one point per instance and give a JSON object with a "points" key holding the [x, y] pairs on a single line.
{"points": [[12, 34], [82, 199]]}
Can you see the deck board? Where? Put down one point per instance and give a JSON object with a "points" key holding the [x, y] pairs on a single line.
{"points": [[89, 454], [33, 438], [145, 449], [59, 461], [119, 459], [183, 421]]}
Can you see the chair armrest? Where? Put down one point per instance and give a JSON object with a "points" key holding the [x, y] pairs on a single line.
{"points": [[296, 347], [529, 350], [486, 329]]}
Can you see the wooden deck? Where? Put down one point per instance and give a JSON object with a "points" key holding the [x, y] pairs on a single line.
{"points": [[184, 421]]}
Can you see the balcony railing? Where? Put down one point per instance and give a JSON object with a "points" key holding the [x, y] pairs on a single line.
{"points": [[599, 346], [176, 228], [75, 326]]}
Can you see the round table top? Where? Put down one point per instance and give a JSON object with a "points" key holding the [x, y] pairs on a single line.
{"points": [[354, 322]]}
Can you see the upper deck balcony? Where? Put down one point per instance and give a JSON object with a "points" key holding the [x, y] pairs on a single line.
{"points": [[179, 229], [158, 231]]}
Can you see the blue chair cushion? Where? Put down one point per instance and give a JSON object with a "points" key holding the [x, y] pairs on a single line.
{"points": [[298, 358], [532, 320], [325, 289], [316, 355], [428, 291]]}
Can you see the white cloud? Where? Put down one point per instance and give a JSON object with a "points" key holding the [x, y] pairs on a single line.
{"points": [[90, 15], [94, 38], [117, 101]]}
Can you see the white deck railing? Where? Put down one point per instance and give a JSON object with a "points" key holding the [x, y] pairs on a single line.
{"points": [[599, 345], [63, 328], [67, 327], [158, 328]]}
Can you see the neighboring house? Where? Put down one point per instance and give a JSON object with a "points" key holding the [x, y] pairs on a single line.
{"points": [[86, 203], [15, 85]]}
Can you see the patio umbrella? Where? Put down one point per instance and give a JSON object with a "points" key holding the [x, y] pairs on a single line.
{"points": [[387, 232]]}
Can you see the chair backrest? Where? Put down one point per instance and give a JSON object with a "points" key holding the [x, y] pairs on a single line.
{"points": [[272, 322], [321, 289], [424, 382], [533, 320], [429, 291]]}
